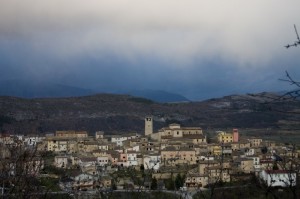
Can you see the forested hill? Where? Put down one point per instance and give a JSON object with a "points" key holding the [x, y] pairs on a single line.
{"points": [[124, 113]]}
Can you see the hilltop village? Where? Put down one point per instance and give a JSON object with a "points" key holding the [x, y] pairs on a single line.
{"points": [[105, 161]]}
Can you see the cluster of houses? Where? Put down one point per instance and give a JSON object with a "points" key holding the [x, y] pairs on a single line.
{"points": [[225, 158]]}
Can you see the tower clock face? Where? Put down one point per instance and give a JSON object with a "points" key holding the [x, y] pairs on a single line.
{"points": [[148, 119]]}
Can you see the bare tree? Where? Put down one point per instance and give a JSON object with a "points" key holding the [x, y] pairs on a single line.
{"points": [[296, 43], [19, 169], [294, 94]]}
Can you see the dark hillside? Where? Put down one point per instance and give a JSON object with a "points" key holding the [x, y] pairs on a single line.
{"points": [[124, 113]]}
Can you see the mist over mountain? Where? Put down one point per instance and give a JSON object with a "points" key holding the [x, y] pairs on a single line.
{"points": [[30, 89]]}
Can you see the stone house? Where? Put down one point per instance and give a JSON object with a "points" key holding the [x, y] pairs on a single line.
{"points": [[89, 146], [224, 137], [113, 157], [61, 161], [217, 173], [175, 131], [85, 181], [87, 162], [203, 164], [266, 164], [240, 145], [255, 142], [196, 180], [256, 163], [123, 160], [58, 144], [171, 155], [105, 182], [99, 152], [99, 135], [71, 134], [244, 165], [216, 149], [72, 146], [7, 139], [195, 138], [103, 146]]}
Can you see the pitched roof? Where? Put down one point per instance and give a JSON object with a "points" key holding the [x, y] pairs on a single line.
{"points": [[194, 136], [278, 171]]}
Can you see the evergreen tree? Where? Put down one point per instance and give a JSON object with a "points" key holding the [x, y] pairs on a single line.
{"points": [[178, 181], [154, 184], [142, 168], [169, 183]]}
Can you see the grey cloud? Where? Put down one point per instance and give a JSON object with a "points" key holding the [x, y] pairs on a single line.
{"points": [[190, 47]]}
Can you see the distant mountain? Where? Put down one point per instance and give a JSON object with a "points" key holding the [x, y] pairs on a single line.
{"points": [[159, 96], [28, 89]]}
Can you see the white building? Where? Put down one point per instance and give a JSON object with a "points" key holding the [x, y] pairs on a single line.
{"points": [[256, 162], [134, 148], [102, 160], [152, 161], [249, 152], [206, 157], [118, 139], [278, 178], [32, 140], [132, 158]]}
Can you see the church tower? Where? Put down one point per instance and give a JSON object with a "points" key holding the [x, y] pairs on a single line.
{"points": [[148, 125], [235, 135]]}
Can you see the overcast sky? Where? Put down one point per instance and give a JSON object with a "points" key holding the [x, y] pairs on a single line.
{"points": [[200, 49]]}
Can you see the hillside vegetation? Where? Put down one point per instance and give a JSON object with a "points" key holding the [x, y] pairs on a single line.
{"points": [[123, 113]]}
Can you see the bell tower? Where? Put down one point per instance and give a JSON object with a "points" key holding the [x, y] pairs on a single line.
{"points": [[148, 125], [235, 135]]}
